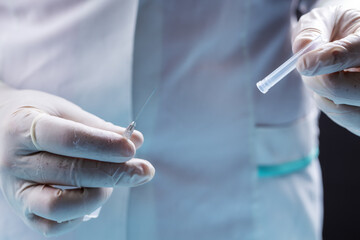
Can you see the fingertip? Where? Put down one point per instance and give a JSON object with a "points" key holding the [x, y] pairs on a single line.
{"points": [[137, 138], [150, 171], [128, 148], [143, 172], [147, 169]]}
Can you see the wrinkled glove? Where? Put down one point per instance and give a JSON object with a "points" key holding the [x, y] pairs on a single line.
{"points": [[46, 140], [332, 70]]}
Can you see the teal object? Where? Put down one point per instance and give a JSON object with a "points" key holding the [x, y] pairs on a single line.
{"points": [[287, 168]]}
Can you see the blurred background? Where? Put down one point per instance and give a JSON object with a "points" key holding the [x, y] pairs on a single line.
{"points": [[340, 163]]}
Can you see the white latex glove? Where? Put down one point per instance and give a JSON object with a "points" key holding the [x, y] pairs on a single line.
{"points": [[74, 148], [332, 70]]}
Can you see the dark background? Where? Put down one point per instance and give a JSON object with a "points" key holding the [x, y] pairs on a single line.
{"points": [[340, 163]]}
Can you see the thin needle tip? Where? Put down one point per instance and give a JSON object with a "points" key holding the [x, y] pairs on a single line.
{"points": [[146, 102]]}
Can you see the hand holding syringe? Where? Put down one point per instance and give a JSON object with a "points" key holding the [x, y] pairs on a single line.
{"points": [[287, 67], [127, 134]]}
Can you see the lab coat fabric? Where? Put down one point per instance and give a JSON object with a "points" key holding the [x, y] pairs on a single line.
{"points": [[207, 130]]}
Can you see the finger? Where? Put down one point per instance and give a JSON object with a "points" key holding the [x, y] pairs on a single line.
{"points": [[69, 138], [344, 115], [77, 114], [62, 205], [340, 87], [51, 228], [343, 32], [48, 168], [310, 26], [331, 57]]}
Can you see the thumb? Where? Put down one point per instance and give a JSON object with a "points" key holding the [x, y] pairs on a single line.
{"points": [[332, 57], [335, 24], [310, 26]]}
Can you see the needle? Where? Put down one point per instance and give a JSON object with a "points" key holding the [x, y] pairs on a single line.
{"points": [[130, 129]]}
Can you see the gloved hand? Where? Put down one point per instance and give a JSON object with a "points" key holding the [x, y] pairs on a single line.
{"points": [[68, 146], [332, 70]]}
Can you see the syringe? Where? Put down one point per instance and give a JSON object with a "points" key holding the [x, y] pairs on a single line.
{"points": [[287, 67], [130, 129], [128, 132]]}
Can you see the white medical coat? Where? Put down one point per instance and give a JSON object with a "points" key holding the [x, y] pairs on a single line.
{"points": [[208, 131]]}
